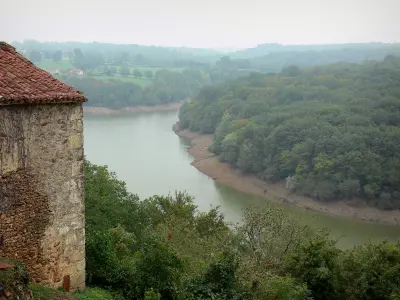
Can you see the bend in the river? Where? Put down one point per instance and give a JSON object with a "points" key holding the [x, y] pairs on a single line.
{"points": [[144, 152]]}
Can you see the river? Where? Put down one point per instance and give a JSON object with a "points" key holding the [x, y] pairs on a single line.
{"points": [[145, 153]]}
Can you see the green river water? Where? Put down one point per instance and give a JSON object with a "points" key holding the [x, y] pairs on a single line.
{"points": [[144, 152]]}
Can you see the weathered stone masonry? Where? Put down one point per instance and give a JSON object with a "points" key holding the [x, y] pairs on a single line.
{"points": [[41, 188]]}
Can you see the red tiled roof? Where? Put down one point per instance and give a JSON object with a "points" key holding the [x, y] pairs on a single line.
{"points": [[21, 82]]}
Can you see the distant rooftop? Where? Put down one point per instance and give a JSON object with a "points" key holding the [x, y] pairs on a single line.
{"points": [[21, 82]]}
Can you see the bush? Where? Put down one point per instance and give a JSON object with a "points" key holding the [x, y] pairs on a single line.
{"points": [[370, 272], [165, 249], [282, 288], [96, 294], [218, 282], [108, 257], [315, 263], [155, 267], [15, 279]]}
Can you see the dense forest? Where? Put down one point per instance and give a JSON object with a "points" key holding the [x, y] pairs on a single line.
{"points": [[332, 132], [164, 248]]}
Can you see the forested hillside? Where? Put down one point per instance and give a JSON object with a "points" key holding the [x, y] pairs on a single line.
{"points": [[362, 48], [119, 53], [331, 131], [275, 61], [164, 248], [115, 75]]}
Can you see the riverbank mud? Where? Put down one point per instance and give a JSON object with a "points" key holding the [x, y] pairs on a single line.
{"points": [[207, 163]]}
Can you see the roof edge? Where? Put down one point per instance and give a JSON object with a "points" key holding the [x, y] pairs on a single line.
{"points": [[7, 47], [46, 100], [60, 92]]}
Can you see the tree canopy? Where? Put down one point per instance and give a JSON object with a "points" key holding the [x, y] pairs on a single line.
{"points": [[334, 130], [162, 247]]}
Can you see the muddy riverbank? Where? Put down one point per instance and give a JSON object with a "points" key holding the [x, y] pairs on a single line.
{"points": [[207, 163]]}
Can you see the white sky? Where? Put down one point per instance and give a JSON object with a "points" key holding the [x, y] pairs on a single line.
{"points": [[201, 23]]}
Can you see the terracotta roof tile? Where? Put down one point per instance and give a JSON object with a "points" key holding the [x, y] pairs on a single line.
{"points": [[21, 82]]}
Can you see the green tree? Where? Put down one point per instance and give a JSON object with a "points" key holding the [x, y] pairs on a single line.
{"points": [[124, 70], [291, 71], [108, 203], [112, 71], [108, 258], [164, 248], [35, 56], [279, 287], [309, 123], [315, 263], [57, 56], [218, 282], [268, 235], [156, 267], [370, 272], [148, 74], [137, 73]]}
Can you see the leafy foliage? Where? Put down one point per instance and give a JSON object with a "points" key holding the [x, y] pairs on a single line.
{"points": [[161, 245], [218, 282], [334, 129], [370, 272], [267, 235], [164, 248], [315, 263], [13, 279], [281, 287], [364, 272]]}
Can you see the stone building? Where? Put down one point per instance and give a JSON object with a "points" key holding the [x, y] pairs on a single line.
{"points": [[41, 172]]}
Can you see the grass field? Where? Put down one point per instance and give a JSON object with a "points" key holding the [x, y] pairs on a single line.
{"points": [[138, 81], [65, 64], [49, 64], [153, 69]]}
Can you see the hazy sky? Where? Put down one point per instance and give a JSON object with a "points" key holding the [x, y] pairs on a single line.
{"points": [[201, 23]]}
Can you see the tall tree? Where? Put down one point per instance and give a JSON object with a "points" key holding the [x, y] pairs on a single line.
{"points": [[35, 56], [124, 70], [137, 73], [148, 74], [57, 56]]}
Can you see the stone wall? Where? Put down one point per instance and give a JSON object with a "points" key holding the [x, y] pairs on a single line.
{"points": [[41, 190]]}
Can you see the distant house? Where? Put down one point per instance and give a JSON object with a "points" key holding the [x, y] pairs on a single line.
{"points": [[75, 72], [55, 72]]}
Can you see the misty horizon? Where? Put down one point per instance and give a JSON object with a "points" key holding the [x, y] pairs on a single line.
{"points": [[206, 24], [209, 48]]}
